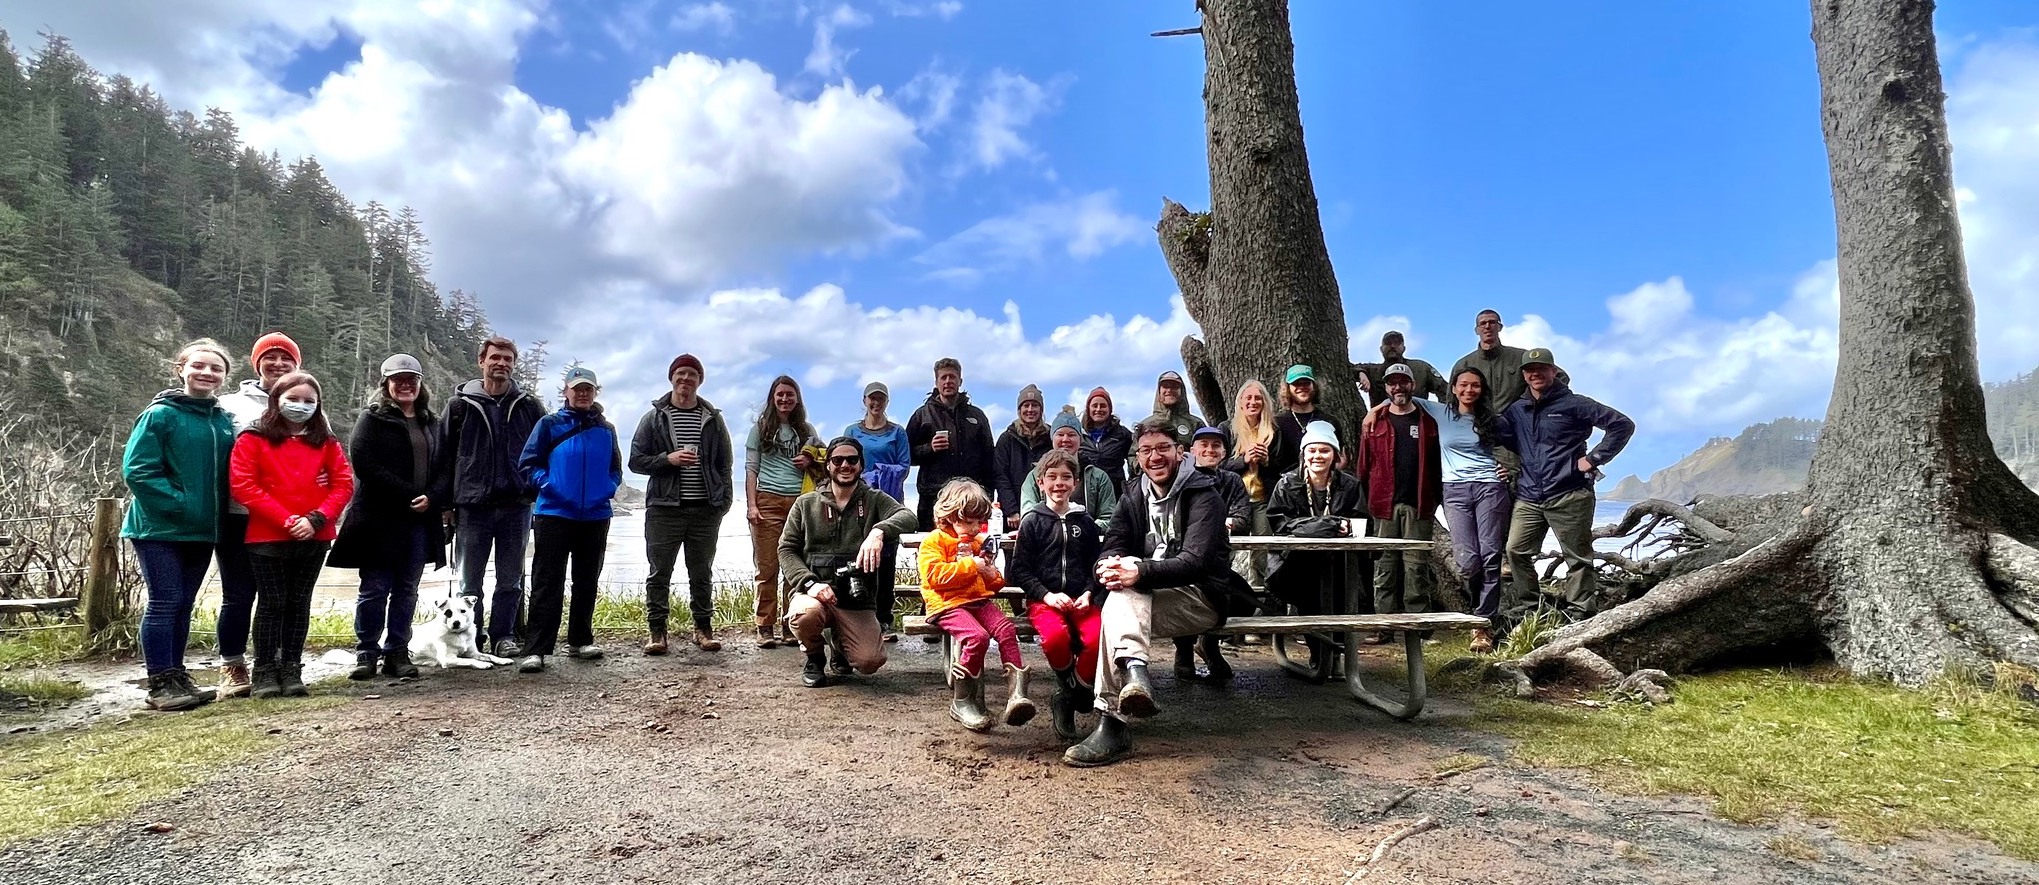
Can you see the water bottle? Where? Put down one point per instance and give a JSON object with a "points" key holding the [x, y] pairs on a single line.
{"points": [[995, 539]]}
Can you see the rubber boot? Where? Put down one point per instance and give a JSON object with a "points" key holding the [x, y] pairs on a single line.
{"points": [[1062, 707], [265, 682], [398, 664], [1019, 710], [968, 706], [1136, 699], [1214, 659], [291, 677], [364, 666], [1185, 657], [1108, 744]]}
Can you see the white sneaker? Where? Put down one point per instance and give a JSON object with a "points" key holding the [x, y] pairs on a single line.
{"points": [[584, 652]]}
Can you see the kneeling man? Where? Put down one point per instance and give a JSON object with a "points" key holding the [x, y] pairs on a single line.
{"points": [[1168, 561], [829, 553]]}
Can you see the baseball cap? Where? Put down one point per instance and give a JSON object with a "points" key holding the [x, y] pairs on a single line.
{"points": [[1539, 356], [1301, 373], [1397, 369], [879, 388], [1170, 375], [401, 364], [1202, 432], [580, 375]]}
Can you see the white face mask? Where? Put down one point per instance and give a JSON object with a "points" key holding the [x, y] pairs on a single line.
{"points": [[297, 413]]}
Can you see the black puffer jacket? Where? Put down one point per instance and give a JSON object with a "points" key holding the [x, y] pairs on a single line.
{"points": [[1015, 456], [1057, 553], [1195, 549], [970, 449], [486, 439], [1294, 575], [1109, 453], [375, 530]]}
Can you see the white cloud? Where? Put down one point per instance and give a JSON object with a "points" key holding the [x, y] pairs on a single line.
{"points": [[1078, 227], [935, 91], [1993, 119], [944, 10], [1009, 103], [704, 17], [826, 59]]}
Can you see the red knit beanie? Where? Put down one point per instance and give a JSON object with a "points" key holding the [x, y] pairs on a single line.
{"points": [[687, 360], [275, 341]]}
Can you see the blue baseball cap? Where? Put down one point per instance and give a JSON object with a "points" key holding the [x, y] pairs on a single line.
{"points": [[580, 375]]}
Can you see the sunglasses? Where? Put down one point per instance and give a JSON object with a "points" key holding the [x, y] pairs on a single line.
{"points": [[838, 460]]}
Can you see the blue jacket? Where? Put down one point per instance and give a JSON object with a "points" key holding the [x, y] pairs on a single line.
{"points": [[887, 457], [1551, 433], [574, 463]]}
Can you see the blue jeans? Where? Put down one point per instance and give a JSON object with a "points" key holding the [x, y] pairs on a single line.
{"points": [[173, 570], [507, 530], [236, 588], [390, 596]]}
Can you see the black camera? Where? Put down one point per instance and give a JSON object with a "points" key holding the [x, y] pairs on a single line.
{"points": [[852, 585]]}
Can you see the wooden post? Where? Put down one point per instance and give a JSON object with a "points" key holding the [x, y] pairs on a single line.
{"points": [[102, 578]]}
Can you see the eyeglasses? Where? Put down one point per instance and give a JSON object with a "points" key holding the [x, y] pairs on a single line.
{"points": [[1144, 451], [838, 460]]}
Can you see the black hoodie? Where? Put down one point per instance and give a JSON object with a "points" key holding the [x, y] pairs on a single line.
{"points": [[1195, 549], [970, 449], [1057, 553]]}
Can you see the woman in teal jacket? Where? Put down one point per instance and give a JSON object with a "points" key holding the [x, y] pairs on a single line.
{"points": [[175, 466]]}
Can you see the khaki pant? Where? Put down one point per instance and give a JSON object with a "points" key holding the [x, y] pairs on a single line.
{"points": [[1570, 517], [1402, 580], [764, 552], [1131, 620], [863, 643]]}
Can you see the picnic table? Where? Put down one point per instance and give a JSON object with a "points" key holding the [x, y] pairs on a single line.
{"points": [[1340, 627]]}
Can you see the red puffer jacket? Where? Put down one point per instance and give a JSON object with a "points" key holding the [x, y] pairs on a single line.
{"points": [[277, 481]]}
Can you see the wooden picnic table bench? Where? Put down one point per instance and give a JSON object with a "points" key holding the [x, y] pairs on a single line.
{"points": [[35, 608], [1340, 630]]}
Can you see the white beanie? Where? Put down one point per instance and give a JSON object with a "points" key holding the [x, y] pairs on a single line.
{"points": [[1320, 432]]}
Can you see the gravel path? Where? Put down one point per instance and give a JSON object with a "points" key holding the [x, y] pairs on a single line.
{"points": [[721, 768]]}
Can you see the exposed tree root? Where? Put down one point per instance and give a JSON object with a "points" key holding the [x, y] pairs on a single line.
{"points": [[1659, 510]]}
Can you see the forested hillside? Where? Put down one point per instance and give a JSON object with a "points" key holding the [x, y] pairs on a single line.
{"points": [[127, 226], [2014, 423]]}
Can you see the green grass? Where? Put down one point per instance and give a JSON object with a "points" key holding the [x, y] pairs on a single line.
{"points": [[1881, 761], [41, 647], [41, 689], [59, 781]]}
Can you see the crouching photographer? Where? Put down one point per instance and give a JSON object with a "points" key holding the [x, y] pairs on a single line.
{"points": [[834, 538]]}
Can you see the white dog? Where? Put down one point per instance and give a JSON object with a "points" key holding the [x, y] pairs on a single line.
{"points": [[448, 638]]}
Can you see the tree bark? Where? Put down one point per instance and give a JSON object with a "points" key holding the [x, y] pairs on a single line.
{"points": [[1203, 381], [1254, 271]]}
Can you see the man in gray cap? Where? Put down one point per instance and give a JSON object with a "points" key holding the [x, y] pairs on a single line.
{"points": [[1549, 428]]}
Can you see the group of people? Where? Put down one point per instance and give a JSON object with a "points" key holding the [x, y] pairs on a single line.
{"points": [[1122, 534]]}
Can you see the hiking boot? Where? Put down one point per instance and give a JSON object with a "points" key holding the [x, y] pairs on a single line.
{"points": [[656, 645], [167, 693], [766, 639], [786, 636], [233, 681], [704, 639], [1062, 706], [263, 682], [290, 677], [889, 637], [1185, 657], [205, 695], [584, 652], [968, 705], [1136, 699], [531, 664], [812, 673], [1214, 659], [838, 661], [365, 666], [397, 664], [1108, 744], [1382, 638], [1019, 710], [508, 648], [1483, 641]]}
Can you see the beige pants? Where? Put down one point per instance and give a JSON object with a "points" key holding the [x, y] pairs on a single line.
{"points": [[764, 553], [1131, 620], [863, 643]]}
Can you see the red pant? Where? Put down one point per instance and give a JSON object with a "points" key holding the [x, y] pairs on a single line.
{"points": [[974, 626], [1067, 637]]}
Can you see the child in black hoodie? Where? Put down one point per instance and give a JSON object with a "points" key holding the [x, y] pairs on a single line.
{"points": [[1055, 563]]}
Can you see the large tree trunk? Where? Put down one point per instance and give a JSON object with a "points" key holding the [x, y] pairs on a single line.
{"points": [[1912, 558], [1254, 271]]}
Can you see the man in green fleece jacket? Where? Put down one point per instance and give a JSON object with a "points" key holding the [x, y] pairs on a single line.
{"points": [[844, 523]]}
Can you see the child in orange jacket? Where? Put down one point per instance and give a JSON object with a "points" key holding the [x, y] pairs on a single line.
{"points": [[959, 583]]}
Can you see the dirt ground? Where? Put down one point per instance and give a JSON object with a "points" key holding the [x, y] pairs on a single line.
{"points": [[720, 767]]}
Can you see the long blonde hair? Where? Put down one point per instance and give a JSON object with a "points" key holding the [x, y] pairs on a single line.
{"points": [[1247, 433]]}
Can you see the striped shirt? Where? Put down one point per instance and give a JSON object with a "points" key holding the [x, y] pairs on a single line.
{"points": [[686, 427]]}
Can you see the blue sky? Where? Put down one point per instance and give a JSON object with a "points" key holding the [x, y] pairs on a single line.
{"points": [[844, 191]]}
